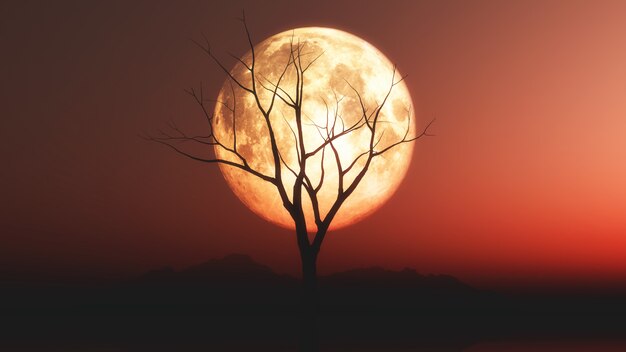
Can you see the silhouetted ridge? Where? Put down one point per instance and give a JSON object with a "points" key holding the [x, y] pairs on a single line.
{"points": [[238, 270], [377, 277], [233, 270], [158, 274], [237, 291], [233, 264]]}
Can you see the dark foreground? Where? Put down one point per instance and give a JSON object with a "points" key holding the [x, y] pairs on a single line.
{"points": [[234, 304]]}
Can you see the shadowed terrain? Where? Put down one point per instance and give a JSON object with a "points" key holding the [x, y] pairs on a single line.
{"points": [[234, 303]]}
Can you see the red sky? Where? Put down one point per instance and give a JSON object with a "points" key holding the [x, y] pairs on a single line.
{"points": [[524, 182]]}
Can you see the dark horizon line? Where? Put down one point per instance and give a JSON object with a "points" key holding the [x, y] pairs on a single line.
{"points": [[87, 278]]}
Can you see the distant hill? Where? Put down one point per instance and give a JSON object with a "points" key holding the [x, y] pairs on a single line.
{"points": [[233, 298], [237, 280], [376, 277], [234, 270], [238, 270]]}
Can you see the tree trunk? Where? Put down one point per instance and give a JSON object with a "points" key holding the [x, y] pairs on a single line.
{"points": [[309, 334], [308, 258], [309, 271]]}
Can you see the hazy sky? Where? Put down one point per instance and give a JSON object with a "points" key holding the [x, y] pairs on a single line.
{"points": [[525, 180]]}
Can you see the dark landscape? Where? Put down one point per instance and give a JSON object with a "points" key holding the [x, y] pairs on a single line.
{"points": [[396, 175], [235, 303]]}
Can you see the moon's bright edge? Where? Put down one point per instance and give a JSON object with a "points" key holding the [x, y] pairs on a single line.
{"points": [[344, 59]]}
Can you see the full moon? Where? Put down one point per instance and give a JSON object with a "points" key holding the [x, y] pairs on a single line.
{"points": [[341, 64]]}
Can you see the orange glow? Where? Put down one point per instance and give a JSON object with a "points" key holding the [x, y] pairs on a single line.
{"points": [[525, 180]]}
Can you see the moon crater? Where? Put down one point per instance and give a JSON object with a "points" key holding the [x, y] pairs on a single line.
{"points": [[345, 61]]}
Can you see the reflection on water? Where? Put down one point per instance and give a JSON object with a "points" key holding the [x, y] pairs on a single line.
{"points": [[550, 346]]}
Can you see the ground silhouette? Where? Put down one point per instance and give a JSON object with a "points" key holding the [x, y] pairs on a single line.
{"points": [[235, 303]]}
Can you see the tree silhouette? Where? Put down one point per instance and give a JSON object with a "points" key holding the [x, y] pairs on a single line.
{"points": [[333, 130]]}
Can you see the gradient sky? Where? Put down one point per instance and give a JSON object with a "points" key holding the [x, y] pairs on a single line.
{"points": [[525, 181]]}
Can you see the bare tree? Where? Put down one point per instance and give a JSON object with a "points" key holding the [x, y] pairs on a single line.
{"points": [[333, 130]]}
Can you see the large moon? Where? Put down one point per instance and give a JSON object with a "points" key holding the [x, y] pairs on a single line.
{"points": [[345, 60]]}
